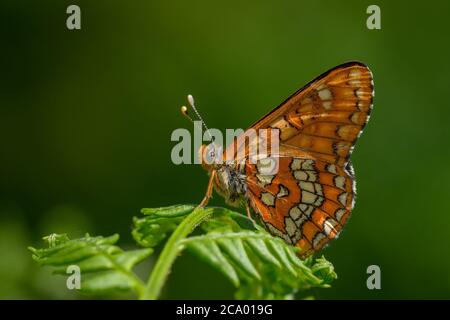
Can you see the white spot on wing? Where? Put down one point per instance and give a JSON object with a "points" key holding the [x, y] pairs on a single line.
{"points": [[339, 181], [331, 168], [308, 197], [264, 180], [290, 226], [339, 214], [308, 186], [295, 213], [343, 198], [312, 176], [328, 226], [319, 237], [296, 164], [327, 105], [308, 165], [355, 82], [300, 175], [267, 198], [354, 73], [283, 192], [278, 233], [325, 94]]}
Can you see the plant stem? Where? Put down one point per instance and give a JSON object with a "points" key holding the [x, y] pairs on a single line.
{"points": [[170, 252]]}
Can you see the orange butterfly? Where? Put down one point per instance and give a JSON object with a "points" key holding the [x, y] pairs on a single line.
{"points": [[309, 199]]}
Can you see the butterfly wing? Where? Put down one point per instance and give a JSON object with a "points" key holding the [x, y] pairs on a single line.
{"points": [[306, 202], [309, 199], [323, 119]]}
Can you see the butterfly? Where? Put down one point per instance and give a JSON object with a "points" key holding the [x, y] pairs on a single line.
{"points": [[309, 199]]}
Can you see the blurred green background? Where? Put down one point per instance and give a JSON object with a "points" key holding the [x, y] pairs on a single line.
{"points": [[86, 118]]}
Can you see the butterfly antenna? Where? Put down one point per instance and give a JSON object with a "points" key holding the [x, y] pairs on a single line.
{"points": [[184, 111]]}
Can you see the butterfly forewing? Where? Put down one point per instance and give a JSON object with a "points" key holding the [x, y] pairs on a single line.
{"points": [[323, 119]]}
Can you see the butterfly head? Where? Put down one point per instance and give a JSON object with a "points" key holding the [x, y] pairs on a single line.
{"points": [[229, 178], [210, 156]]}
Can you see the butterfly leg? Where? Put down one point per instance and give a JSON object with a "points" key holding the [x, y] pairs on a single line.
{"points": [[209, 190], [249, 214]]}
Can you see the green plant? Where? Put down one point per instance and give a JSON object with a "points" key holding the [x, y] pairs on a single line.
{"points": [[259, 265]]}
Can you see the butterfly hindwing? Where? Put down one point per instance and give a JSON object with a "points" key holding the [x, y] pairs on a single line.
{"points": [[306, 203]]}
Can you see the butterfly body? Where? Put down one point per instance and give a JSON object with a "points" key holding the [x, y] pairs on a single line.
{"points": [[231, 183], [310, 196]]}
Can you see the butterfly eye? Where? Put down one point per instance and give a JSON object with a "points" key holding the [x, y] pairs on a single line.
{"points": [[212, 154]]}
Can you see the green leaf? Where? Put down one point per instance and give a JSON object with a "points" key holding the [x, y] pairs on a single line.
{"points": [[267, 267], [104, 267], [178, 210], [259, 265], [209, 251], [157, 223]]}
